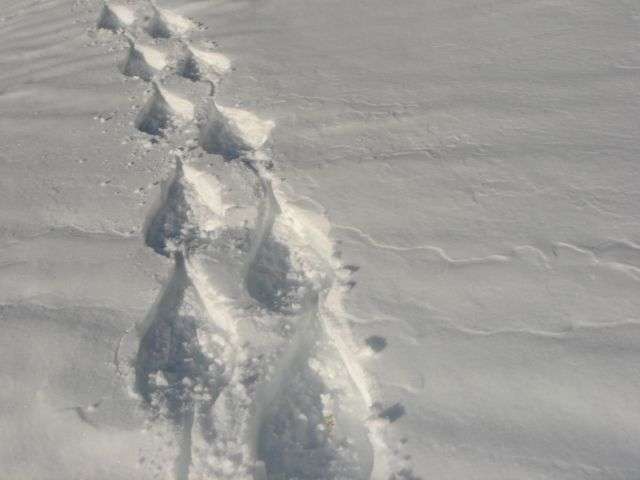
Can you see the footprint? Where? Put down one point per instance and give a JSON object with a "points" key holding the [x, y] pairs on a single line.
{"points": [[393, 413], [164, 228], [238, 358], [167, 24], [115, 17], [142, 61], [196, 64], [175, 376], [311, 430], [230, 131], [162, 110], [274, 283]]}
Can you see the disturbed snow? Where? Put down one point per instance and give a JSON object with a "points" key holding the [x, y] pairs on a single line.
{"points": [[350, 241]]}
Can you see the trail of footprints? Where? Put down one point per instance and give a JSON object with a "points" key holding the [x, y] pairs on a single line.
{"points": [[240, 354]]}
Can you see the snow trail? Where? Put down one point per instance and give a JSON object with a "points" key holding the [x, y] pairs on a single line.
{"points": [[247, 353]]}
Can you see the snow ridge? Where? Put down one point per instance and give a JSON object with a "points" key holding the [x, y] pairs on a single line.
{"points": [[246, 355]]}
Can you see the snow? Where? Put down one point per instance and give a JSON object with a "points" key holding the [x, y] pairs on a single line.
{"points": [[217, 61], [392, 242]]}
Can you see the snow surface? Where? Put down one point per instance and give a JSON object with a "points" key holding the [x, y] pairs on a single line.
{"points": [[319, 239]]}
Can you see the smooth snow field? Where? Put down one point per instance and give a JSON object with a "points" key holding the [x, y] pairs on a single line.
{"points": [[320, 240]]}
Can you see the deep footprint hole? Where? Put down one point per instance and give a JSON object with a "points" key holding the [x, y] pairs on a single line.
{"points": [[272, 282]]}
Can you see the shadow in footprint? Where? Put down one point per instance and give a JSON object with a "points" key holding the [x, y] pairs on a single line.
{"points": [[187, 67], [167, 226], [215, 137], [136, 64], [272, 281], [114, 17], [230, 132], [166, 24], [300, 441], [163, 110], [170, 364], [290, 444]]}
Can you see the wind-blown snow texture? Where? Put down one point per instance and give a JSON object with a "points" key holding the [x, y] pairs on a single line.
{"points": [[319, 239]]}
